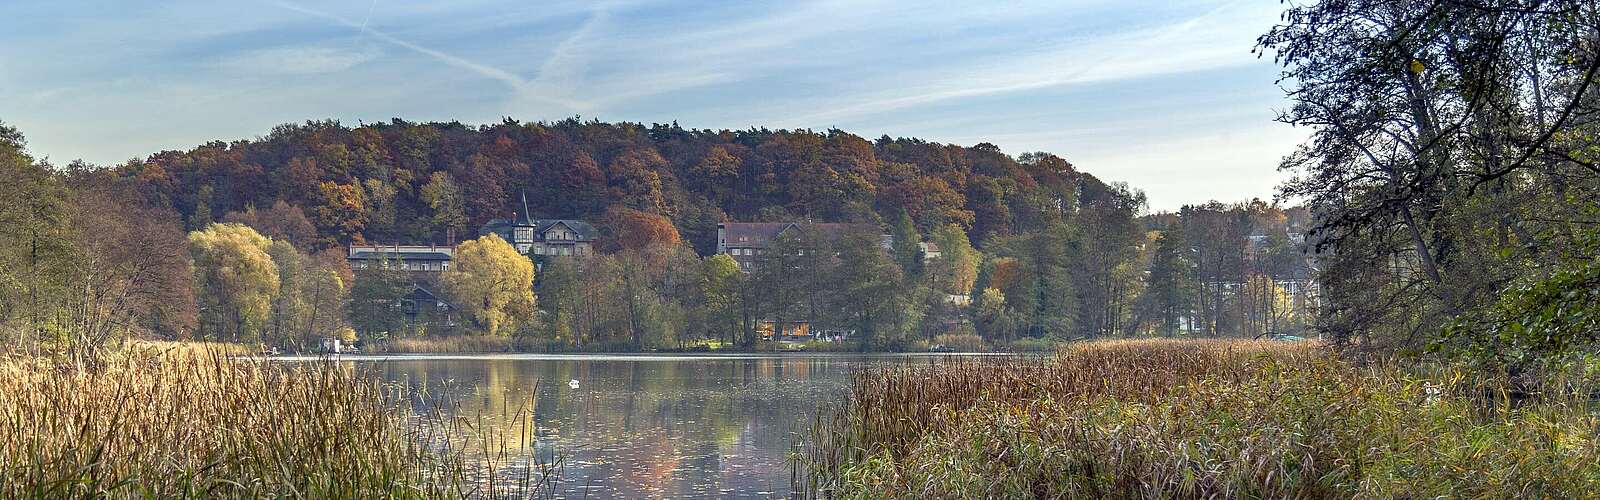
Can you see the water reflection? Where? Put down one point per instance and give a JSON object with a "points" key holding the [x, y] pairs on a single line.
{"points": [[641, 426]]}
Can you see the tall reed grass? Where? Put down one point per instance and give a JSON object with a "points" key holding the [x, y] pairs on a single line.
{"points": [[1196, 419], [443, 345], [176, 423]]}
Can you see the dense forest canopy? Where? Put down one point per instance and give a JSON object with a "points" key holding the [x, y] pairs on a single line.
{"points": [[415, 182], [987, 247]]}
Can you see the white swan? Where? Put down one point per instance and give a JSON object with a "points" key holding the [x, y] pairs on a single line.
{"points": [[573, 383]]}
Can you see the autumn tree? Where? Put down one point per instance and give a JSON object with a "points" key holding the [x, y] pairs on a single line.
{"points": [[121, 289], [956, 268], [444, 198], [628, 229], [720, 286], [869, 293], [493, 284], [1447, 142], [907, 245], [235, 281], [312, 290], [283, 222]]}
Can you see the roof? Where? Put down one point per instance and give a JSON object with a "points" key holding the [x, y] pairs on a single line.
{"points": [[420, 293], [503, 227], [387, 254], [761, 234]]}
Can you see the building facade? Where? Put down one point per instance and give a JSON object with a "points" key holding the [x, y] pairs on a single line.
{"points": [[747, 242], [414, 258], [544, 237]]}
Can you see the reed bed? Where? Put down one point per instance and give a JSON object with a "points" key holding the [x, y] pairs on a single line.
{"points": [[1195, 419], [447, 345], [176, 423]]}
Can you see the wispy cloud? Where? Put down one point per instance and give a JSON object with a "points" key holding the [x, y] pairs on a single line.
{"points": [[1178, 47], [1108, 83], [297, 60]]}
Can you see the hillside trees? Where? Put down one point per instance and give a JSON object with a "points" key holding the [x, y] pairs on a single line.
{"points": [[282, 222], [376, 182]]}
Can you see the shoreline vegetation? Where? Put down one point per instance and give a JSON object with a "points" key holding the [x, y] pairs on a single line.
{"points": [[181, 420], [475, 344], [1207, 418]]}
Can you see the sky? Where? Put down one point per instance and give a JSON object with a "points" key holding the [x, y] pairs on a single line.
{"points": [[1166, 96]]}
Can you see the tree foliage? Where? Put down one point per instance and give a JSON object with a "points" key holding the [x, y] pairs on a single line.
{"points": [[493, 284], [235, 281], [1451, 152]]}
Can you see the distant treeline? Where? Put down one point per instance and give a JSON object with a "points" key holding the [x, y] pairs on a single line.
{"points": [[414, 182], [1030, 250]]}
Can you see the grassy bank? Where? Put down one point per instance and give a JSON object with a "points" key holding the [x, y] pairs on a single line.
{"points": [[1197, 419], [180, 423]]}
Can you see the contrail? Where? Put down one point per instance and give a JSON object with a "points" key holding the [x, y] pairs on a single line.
{"points": [[503, 76], [519, 85], [370, 8]]}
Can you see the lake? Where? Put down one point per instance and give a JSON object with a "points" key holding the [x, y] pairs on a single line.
{"points": [[639, 425]]}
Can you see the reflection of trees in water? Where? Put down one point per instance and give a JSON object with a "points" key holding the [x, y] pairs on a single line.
{"points": [[678, 427]]}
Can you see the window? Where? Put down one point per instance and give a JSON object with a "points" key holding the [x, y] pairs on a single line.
{"points": [[523, 234], [522, 248], [538, 249]]}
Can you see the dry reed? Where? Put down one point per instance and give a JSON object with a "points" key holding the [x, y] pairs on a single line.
{"points": [[1191, 419], [177, 423]]}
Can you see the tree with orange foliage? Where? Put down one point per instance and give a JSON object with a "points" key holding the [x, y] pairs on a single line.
{"points": [[629, 229]]}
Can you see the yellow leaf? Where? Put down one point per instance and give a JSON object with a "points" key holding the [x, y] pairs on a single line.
{"points": [[1417, 67]]}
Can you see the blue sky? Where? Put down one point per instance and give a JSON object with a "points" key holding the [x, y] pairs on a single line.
{"points": [[1165, 96]]}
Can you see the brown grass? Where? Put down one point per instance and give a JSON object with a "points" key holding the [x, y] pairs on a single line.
{"points": [[1187, 419], [450, 345], [179, 423]]}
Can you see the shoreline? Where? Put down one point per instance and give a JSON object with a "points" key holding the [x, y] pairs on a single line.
{"points": [[621, 356]]}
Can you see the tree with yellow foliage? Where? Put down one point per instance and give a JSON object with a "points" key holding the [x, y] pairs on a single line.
{"points": [[235, 281], [493, 285]]}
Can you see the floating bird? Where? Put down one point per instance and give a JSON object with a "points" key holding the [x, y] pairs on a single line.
{"points": [[573, 383]]}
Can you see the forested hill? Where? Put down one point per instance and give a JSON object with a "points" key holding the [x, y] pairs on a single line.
{"points": [[412, 182]]}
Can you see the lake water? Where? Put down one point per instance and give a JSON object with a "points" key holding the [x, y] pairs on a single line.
{"points": [[640, 425]]}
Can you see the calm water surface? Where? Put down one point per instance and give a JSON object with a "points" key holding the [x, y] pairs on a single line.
{"points": [[642, 425]]}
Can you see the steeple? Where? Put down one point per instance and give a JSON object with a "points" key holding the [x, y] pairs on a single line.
{"points": [[525, 213]]}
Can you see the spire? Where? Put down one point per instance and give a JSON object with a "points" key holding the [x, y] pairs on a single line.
{"points": [[525, 213]]}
